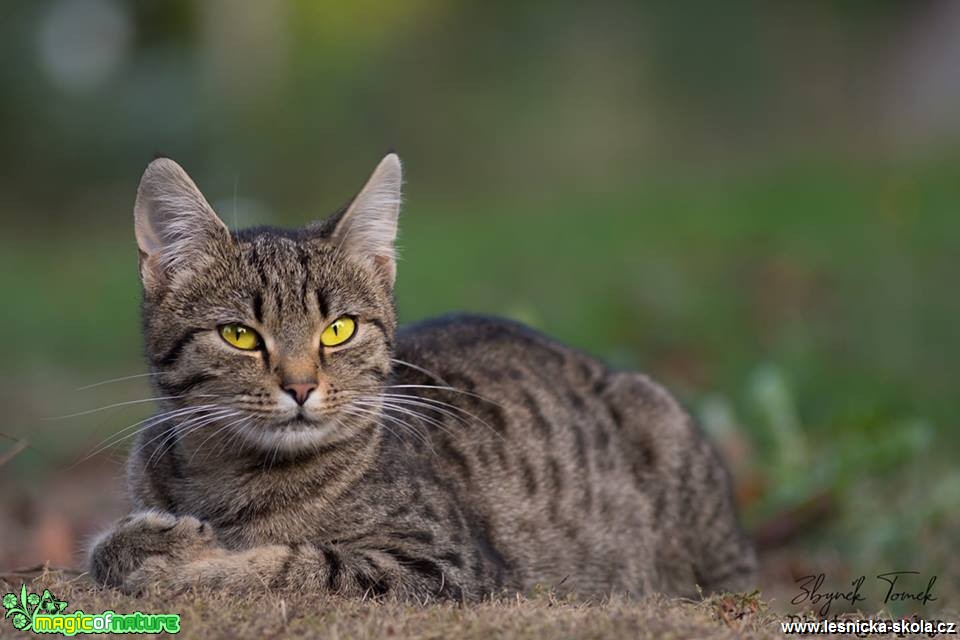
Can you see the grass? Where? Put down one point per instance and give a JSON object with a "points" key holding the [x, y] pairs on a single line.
{"points": [[542, 614], [213, 616]]}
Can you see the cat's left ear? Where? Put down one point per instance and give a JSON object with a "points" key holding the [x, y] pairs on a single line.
{"points": [[177, 230], [368, 228]]}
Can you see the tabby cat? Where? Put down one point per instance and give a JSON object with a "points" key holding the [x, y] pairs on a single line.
{"points": [[308, 444]]}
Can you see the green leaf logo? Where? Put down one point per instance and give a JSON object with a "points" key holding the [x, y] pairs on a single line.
{"points": [[24, 607]]}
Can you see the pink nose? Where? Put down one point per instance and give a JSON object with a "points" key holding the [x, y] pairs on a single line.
{"points": [[300, 391]]}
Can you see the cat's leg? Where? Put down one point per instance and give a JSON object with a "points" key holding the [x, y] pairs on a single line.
{"points": [[302, 568], [688, 487], [725, 557], [122, 550], [153, 550]]}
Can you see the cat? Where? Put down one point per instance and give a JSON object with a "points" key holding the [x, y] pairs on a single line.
{"points": [[308, 444]]}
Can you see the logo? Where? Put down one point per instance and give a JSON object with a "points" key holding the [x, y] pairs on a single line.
{"points": [[43, 613]]}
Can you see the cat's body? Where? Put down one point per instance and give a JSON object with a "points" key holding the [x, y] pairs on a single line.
{"points": [[458, 458]]}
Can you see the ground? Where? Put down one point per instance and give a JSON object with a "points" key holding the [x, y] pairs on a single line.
{"points": [[211, 616]]}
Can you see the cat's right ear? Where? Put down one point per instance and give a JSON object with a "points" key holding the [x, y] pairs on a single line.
{"points": [[177, 229]]}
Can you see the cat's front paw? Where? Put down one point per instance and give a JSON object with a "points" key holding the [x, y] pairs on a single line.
{"points": [[142, 535]]}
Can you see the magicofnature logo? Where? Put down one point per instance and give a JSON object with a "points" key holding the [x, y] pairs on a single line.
{"points": [[43, 613]]}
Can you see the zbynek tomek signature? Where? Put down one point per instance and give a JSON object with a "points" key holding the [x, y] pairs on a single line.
{"points": [[811, 591]]}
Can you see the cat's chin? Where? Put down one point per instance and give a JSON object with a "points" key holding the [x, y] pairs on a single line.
{"points": [[291, 436]]}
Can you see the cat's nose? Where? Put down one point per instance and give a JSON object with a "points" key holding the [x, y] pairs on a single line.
{"points": [[300, 391]]}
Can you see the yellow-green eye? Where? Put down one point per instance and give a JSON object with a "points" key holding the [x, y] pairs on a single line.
{"points": [[240, 336], [339, 331]]}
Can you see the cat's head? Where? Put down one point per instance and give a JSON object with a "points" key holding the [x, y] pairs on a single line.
{"points": [[281, 338]]}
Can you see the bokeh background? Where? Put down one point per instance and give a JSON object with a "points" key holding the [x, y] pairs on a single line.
{"points": [[755, 202]]}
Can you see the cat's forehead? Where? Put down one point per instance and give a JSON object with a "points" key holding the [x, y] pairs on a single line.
{"points": [[276, 244], [284, 253], [300, 265]]}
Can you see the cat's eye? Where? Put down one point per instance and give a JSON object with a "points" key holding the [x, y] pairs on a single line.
{"points": [[240, 336], [339, 331]]}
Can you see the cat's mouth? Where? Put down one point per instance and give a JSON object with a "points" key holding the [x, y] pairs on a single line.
{"points": [[298, 430], [299, 418], [299, 421]]}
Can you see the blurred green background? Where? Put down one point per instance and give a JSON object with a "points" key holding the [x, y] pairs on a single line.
{"points": [[755, 202]]}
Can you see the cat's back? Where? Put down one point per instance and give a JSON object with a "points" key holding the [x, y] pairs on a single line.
{"points": [[498, 362], [519, 381], [510, 387]]}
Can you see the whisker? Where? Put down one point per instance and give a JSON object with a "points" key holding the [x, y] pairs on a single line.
{"points": [[110, 440], [414, 399], [430, 404], [236, 437], [415, 414], [228, 425], [120, 379], [406, 428], [420, 369], [170, 436], [365, 412], [273, 457], [124, 404], [158, 418], [437, 387]]}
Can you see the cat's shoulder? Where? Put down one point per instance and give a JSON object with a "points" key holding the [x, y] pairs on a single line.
{"points": [[477, 342], [465, 333]]}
